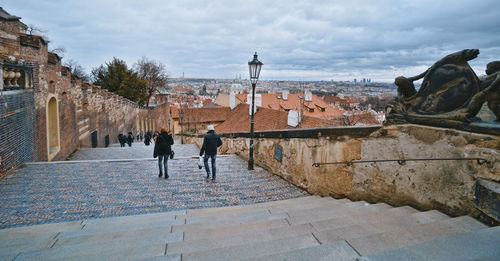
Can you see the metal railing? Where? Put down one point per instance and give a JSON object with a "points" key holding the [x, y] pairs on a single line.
{"points": [[480, 161]]}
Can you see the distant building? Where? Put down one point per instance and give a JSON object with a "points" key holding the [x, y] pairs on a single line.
{"points": [[196, 120], [312, 105], [238, 120]]}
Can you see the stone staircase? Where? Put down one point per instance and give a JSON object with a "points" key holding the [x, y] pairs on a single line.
{"points": [[305, 228]]}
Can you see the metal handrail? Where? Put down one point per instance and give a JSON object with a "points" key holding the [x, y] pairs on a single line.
{"points": [[480, 161]]}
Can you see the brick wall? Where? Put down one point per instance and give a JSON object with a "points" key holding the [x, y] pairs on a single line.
{"points": [[17, 129], [82, 108]]}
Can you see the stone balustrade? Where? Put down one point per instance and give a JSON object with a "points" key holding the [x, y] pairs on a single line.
{"points": [[14, 76]]}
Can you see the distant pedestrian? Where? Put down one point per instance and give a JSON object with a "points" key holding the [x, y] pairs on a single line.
{"points": [[141, 135], [130, 139], [211, 142], [137, 135], [122, 140], [162, 150], [147, 139]]}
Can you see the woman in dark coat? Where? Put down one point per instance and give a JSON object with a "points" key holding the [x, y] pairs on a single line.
{"points": [[162, 150]]}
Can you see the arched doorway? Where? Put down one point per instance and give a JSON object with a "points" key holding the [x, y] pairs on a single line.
{"points": [[53, 144]]}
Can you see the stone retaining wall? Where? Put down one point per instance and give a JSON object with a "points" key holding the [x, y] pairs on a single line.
{"points": [[444, 185]]}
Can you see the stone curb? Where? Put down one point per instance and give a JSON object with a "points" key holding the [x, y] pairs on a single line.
{"points": [[113, 160]]}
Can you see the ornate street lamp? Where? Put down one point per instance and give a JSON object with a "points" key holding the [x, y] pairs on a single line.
{"points": [[254, 67], [182, 127]]}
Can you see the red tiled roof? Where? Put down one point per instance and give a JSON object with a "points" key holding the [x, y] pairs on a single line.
{"points": [[199, 115], [332, 99], [265, 119], [293, 102]]}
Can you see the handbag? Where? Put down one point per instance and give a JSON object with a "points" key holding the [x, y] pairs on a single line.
{"points": [[172, 154], [200, 162]]}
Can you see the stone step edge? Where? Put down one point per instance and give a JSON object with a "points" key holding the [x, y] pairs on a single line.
{"points": [[113, 160], [285, 225], [219, 211]]}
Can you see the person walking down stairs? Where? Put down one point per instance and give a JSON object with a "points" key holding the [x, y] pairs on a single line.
{"points": [[162, 150], [211, 142]]}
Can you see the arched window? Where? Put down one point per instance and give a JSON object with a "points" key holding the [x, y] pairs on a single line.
{"points": [[53, 144]]}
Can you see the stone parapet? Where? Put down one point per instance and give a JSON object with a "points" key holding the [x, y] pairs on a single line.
{"points": [[444, 185]]}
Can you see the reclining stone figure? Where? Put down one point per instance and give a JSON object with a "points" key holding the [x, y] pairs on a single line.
{"points": [[450, 94]]}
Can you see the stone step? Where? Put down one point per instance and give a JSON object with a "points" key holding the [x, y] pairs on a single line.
{"points": [[10, 248], [254, 213], [113, 250], [195, 227], [255, 250], [174, 257], [402, 215], [478, 245], [225, 240], [31, 238], [347, 209], [29, 231], [161, 233], [322, 203], [204, 230], [235, 229], [242, 208], [133, 219], [335, 251], [388, 220], [104, 225], [326, 203], [376, 243]]}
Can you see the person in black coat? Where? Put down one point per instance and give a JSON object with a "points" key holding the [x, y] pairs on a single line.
{"points": [[211, 142], [162, 150], [130, 139], [147, 139], [121, 139]]}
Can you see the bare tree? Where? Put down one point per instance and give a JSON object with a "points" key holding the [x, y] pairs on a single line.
{"points": [[59, 50], [352, 118], [35, 30], [153, 72], [76, 69]]}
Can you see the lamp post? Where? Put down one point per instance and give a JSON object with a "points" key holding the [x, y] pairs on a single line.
{"points": [[182, 127], [254, 67]]}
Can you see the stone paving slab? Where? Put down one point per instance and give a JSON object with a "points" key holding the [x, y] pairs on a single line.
{"points": [[137, 151], [114, 250], [336, 251], [479, 245], [47, 193], [255, 250]]}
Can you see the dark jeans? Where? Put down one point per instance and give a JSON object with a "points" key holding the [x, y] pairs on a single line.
{"points": [[163, 158], [205, 160]]}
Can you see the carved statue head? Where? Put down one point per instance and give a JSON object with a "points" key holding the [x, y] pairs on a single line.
{"points": [[405, 87], [492, 67]]}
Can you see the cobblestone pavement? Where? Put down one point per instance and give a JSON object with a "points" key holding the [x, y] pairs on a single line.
{"points": [[137, 151], [54, 192]]}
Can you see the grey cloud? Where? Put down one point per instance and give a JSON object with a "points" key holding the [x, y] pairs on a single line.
{"points": [[316, 39]]}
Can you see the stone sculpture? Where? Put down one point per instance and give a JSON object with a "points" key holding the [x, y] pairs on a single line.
{"points": [[451, 94]]}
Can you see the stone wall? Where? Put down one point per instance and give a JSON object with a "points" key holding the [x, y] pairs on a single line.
{"points": [[82, 109], [444, 185]]}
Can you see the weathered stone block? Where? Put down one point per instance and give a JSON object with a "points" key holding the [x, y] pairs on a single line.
{"points": [[487, 198]]}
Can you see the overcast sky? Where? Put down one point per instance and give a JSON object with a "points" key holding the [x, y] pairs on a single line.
{"points": [[296, 40]]}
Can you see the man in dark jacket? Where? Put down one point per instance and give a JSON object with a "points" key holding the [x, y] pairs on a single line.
{"points": [[162, 150], [210, 144]]}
